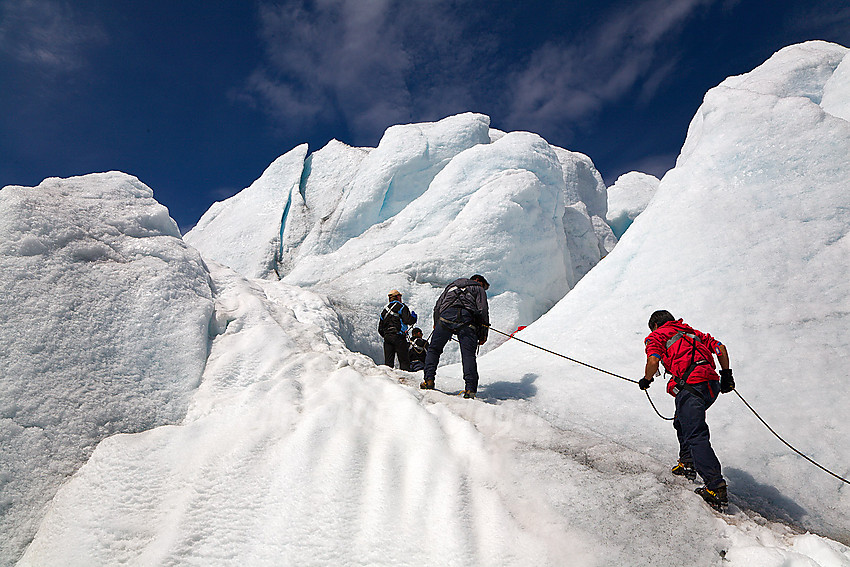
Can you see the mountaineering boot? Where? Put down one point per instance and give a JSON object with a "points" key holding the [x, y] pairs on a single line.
{"points": [[686, 470], [716, 498], [468, 395], [427, 385]]}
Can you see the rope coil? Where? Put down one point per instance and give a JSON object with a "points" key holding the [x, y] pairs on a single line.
{"points": [[798, 452]]}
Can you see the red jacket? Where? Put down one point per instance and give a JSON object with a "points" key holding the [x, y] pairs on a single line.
{"points": [[677, 345]]}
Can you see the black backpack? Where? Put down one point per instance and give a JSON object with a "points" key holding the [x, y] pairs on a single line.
{"points": [[390, 322]]}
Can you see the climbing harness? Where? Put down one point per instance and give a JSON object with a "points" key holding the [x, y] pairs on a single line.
{"points": [[682, 381], [798, 452]]}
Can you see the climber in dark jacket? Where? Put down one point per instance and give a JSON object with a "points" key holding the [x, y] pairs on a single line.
{"points": [[393, 325], [461, 310], [418, 349]]}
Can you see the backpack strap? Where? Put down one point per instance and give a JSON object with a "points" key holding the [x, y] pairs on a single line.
{"points": [[391, 310], [456, 302], [682, 381]]}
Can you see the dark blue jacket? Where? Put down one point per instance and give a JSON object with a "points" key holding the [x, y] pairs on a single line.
{"points": [[395, 319], [463, 302]]}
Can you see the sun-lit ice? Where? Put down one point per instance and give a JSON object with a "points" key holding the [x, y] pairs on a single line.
{"points": [[159, 408]]}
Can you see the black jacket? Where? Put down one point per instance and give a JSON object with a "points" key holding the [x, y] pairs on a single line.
{"points": [[395, 319], [463, 302], [418, 349]]}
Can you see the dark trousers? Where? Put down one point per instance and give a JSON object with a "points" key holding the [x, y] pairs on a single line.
{"points": [[692, 431], [467, 336], [396, 345]]}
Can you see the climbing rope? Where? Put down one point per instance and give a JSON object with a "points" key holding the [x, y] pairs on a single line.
{"points": [[588, 366], [786, 443]]}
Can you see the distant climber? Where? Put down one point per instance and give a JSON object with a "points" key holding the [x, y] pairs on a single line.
{"points": [[392, 326], [418, 350], [461, 310], [688, 355]]}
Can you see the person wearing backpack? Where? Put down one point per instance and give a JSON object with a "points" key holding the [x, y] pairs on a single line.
{"points": [[461, 311], [392, 326], [418, 350], [688, 355]]}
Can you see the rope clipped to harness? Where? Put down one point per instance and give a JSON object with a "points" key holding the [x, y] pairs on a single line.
{"points": [[786, 443]]}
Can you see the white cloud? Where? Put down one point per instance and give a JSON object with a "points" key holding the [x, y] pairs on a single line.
{"points": [[46, 34], [367, 63], [370, 64], [568, 82]]}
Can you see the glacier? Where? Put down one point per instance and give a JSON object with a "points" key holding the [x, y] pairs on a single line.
{"points": [[627, 198], [745, 238], [105, 315], [357, 222], [274, 442]]}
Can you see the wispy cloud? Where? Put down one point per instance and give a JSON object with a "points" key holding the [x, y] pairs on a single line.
{"points": [[46, 35], [366, 63], [567, 82]]}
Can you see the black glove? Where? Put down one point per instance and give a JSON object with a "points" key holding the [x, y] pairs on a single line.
{"points": [[482, 334], [644, 383], [727, 383]]}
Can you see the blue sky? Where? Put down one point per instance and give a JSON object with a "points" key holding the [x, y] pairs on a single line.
{"points": [[197, 98]]}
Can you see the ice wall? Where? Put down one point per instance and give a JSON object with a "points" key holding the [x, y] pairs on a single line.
{"points": [[104, 317], [627, 198], [244, 230], [433, 202], [746, 238], [836, 91]]}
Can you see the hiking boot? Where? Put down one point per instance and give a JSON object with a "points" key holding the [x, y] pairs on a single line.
{"points": [[427, 385], [686, 470], [469, 395], [716, 498]]}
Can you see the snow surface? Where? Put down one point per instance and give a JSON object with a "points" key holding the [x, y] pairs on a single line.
{"points": [[747, 238], [103, 329], [296, 451], [627, 198], [433, 202]]}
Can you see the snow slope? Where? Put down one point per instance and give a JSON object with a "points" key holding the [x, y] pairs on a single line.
{"points": [[746, 238], [433, 202], [297, 451], [103, 327]]}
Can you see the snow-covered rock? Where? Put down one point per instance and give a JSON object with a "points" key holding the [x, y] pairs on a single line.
{"points": [[746, 238], [104, 316], [627, 198]]}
